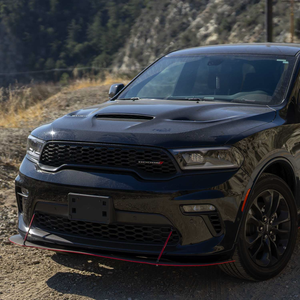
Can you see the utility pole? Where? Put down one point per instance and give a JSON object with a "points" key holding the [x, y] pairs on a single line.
{"points": [[292, 25], [269, 21], [292, 21]]}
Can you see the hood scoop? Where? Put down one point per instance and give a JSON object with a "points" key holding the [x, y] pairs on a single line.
{"points": [[124, 117]]}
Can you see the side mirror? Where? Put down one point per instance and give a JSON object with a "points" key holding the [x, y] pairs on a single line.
{"points": [[115, 89]]}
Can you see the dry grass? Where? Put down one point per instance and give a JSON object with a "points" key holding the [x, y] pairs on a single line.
{"points": [[19, 118], [20, 105], [9, 161], [94, 82]]}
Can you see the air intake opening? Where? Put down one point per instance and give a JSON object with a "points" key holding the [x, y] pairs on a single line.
{"points": [[124, 117], [216, 222], [126, 233], [19, 199]]}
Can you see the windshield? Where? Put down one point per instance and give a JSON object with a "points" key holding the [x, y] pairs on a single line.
{"points": [[234, 78]]}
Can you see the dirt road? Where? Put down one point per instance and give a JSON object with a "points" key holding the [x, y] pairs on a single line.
{"points": [[35, 274]]}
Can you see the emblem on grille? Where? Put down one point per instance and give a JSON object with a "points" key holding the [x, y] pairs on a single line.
{"points": [[145, 162]]}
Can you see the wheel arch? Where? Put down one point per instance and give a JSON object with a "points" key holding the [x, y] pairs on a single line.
{"points": [[283, 169], [279, 166]]}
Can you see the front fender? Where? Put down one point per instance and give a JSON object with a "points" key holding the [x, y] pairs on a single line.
{"points": [[261, 150]]}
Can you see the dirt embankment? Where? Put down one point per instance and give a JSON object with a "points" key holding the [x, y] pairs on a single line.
{"points": [[34, 274]]}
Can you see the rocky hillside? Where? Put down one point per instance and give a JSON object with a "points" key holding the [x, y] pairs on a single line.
{"points": [[164, 26], [123, 34]]}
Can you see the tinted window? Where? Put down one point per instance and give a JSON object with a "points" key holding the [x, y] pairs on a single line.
{"points": [[251, 79]]}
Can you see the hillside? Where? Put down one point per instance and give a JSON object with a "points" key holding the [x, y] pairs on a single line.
{"points": [[38, 36], [54, 34], [170, 25]]}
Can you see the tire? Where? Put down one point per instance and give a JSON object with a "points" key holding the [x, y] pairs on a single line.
{"points": [[268, 232]]}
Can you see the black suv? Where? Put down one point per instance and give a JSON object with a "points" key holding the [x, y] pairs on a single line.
{"points": [[195, 162]]}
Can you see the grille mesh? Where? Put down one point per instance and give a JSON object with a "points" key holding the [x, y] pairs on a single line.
{"points": [[57, 154], [145, 234]]}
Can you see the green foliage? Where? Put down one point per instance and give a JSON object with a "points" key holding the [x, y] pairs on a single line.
{"points": [[225, 25], [60, 34], [64, 79]]}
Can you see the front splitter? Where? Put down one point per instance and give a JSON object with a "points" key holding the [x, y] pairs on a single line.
{"points": [[18, 240]]}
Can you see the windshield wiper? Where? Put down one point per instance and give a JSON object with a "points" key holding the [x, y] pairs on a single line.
{"points": [[244, 100], [194, 99], [185, 99], [132, 98]]}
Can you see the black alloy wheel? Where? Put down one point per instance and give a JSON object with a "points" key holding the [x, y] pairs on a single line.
{"points": [[268, 228], [268, 231]]}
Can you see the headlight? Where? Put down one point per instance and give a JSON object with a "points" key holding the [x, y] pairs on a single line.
{"points": [[209, 158], [34, 148]]}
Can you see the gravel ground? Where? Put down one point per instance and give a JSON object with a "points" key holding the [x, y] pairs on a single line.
{"points": [[35, 274]]}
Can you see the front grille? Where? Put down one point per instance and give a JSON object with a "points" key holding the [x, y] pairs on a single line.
{"points": [[143, 234], [144, 161]]}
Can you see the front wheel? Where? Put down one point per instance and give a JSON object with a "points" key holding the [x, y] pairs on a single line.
{"points": [[268, 231]]}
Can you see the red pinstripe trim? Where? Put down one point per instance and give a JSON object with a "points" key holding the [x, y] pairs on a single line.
{"points": [[128, 260], [165, 245], [25, 239]]}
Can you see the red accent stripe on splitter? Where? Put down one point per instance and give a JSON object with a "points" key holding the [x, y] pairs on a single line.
{"points": [[164, 247], [129, 260], [25, 239]]}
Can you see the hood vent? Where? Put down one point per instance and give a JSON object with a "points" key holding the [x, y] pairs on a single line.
{"points": [[124, 117]]}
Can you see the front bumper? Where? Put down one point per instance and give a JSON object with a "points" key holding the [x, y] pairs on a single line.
{"points": [[18, 240], [137, 202]]}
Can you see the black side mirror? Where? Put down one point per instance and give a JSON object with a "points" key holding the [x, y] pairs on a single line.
{"points": [[115, 89]]}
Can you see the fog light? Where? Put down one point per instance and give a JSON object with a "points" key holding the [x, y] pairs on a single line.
{"points": [[198, 208]]}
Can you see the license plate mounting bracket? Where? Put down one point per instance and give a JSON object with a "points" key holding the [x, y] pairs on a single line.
{"points": [[91, 208]]}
